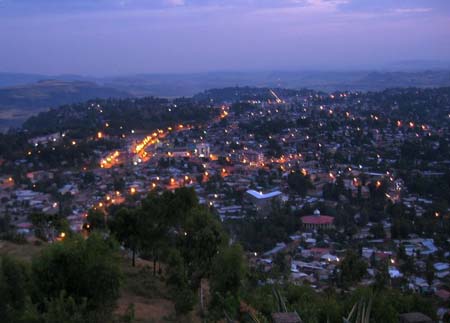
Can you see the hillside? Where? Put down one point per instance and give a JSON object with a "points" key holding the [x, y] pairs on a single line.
{"points": [[50, 93], [148, 294], [19, 102], [176, 85]]}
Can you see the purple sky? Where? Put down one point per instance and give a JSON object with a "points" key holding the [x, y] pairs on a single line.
{"points": [[104, 37]]}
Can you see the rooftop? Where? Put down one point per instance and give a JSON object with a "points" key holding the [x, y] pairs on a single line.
{"points": [[260, 195], [414, 317], [317, 219], [286, 318]]}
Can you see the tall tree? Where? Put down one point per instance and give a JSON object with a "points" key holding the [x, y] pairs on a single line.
{"points": [[126, 226], [352, 268], [96, 219], [229, 270], [201, 240]]}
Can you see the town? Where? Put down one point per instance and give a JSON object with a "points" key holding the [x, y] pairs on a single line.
{"points": [[339, 189]]}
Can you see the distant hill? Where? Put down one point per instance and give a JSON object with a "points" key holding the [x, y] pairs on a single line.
{"points": [[19, 102], [403, 74], [237, 94], [52, 93], [12, 79]]}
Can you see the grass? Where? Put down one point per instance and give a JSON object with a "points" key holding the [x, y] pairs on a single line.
{"points": [[24, 251], [148, 293]]}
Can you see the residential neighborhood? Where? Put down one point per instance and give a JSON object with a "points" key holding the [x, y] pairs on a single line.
{"points": [[303, 180]]}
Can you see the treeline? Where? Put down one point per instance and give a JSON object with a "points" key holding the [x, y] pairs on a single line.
{"points": [[246, 93], [79, 280], [74, 281], [120, 115], [173, 229]]}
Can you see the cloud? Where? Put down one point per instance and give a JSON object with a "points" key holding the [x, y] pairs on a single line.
{"points": [[176, 3], [412, 10]]}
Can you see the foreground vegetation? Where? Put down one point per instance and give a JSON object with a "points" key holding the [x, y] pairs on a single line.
{"points": [[177, 266]]}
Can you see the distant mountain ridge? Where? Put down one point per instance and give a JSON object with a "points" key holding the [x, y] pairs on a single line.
{"points": [[191, 84], [22, 95], [19, 102], [176, 85], [51, 93]]}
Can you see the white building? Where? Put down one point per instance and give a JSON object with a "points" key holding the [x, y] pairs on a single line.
{"points": [[262, 201], [202, 150]]}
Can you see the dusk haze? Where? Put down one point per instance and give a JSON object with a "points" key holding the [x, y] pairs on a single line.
{"points": [[104, 37], [225, 161]]}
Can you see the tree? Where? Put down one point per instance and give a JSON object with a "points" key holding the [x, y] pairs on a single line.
{"points": [[184, 299], [14, 280], [377, 230], [126, 226], [96, 219], [42, 223], [352, 268], [119, 184], [299, 183], [88, 178], [274, 148], [88, 270], [155, 221], [179, 204], [229, 270], [401, 228], [178, 282], [429, 270], [64, 309], [382, 277], [202, 238], [281, 263]]}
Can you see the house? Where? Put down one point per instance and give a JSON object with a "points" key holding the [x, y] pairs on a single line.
{"points": [[43, 140], [279, 247], [69, 189], [317, 221], [202, 150], [317, 253], [286, 318], [262, 201], [442, 269], [414, 317], [443, 294], [330, 258], [24, 227], [39, 175], [394, 272]]}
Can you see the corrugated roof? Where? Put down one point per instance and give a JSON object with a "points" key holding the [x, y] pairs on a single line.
{"points": [[260, 195], [317, 219]]}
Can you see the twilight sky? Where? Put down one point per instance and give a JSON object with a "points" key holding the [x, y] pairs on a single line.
{"points": [[105, 37]]}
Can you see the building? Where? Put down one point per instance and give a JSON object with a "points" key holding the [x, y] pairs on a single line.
{"points": [[262, 201], [43, 140], [414, 317], [286, 318], [252, 157], [202, 150], [317, 221], [442, 269]]}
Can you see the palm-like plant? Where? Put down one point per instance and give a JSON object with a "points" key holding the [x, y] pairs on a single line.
{"points": [[281, 303], [360, 313]]}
